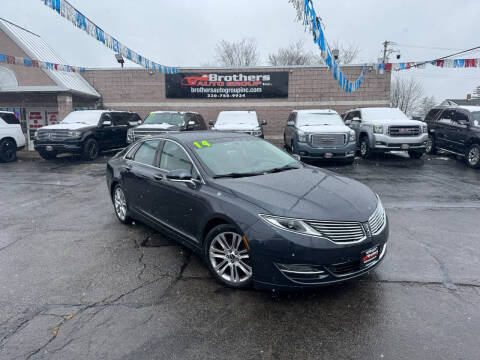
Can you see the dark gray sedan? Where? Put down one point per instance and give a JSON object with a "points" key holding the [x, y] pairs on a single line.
{"points": [[253, 212]]}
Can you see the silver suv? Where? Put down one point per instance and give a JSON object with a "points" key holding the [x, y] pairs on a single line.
{"points": [[319, 134], [387, 129]]}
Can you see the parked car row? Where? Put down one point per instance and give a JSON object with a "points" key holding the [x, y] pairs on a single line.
{"points": [[11, 136]]}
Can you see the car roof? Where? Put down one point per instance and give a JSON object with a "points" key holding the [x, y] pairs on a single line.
{"points": [[6, 112], [470, 108], [190, 136], [312, 111], [173, 112]]}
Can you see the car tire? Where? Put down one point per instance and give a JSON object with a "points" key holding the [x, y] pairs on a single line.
{"points": [[48, 155], [415, 154], [228, 257], [8, 150], [120, 205], [90, 149], [364, 145], [431, 147], [473, 156]]}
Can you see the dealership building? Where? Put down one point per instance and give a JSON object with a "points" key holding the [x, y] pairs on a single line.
{"points": [[41, 97]]}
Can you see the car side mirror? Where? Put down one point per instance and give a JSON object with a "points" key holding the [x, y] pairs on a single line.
{"points": [[263, 123], [348, 122], [290, 123], [106, 123], [211, 122], [179, 175]]}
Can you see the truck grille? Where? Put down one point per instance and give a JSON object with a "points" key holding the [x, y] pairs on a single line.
{"points": [[328, 141], [404, 130], [339, 231], [53, 135]]}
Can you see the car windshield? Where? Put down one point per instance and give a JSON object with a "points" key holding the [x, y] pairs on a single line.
{"points": [[82, 117], [313, 119], [237, 117], [241, 157], [383, 114], [165, 118]]}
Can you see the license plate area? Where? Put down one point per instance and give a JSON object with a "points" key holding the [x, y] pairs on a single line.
{"points": [[405, 147], [328, 155], [370, 255]]}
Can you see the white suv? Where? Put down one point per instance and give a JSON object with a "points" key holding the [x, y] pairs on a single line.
{"points": [[387, 129], [11, 136]]}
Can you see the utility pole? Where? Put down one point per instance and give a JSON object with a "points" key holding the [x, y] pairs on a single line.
{"points": [[387, 50]]}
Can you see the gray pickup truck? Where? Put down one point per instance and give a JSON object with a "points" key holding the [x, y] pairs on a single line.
{"points": [[382, 129]]}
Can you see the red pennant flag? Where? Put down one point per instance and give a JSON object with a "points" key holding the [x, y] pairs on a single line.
{"points": [[388, 66], [35, 63], [470, 62], [10, 59], [440, 63]]}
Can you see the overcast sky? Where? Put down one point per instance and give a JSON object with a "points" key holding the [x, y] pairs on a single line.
{"points": [[184, 32]]}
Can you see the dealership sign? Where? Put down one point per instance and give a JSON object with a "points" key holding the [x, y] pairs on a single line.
{"points": [[232, 85]]}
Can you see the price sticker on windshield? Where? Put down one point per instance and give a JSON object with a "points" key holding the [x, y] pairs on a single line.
{"points": [[201, 144]]}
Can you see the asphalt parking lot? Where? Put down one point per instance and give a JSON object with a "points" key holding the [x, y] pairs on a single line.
{"points": [[76, 284]]}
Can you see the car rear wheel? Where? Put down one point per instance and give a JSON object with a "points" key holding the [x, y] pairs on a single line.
{"points": [[364, 148], [90, 149], [430, 148], [120, 205], [8, 150], [415, 154], [473, 156], [228, 256]]}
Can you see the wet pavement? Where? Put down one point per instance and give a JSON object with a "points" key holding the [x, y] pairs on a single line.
{"points": [[76, 284]]}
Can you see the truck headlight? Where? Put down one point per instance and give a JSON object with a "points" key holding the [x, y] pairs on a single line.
{"points": [[74, 134], [130, 136], [351, 136], [378, 129], [425, 128], [302, 137]]}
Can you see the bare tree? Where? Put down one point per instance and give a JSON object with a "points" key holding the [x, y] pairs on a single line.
{"points": [[294, 54], [406, 94], [426, 104], [237, 54], [347, 53]]}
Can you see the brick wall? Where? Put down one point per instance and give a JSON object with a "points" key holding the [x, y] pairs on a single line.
{"points": [[309, 87]]}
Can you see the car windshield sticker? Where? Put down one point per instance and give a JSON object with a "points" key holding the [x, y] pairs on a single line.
{"points": [[200, 144]]}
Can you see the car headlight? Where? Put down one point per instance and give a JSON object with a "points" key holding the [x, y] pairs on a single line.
{"points": [[351, 136], [302, 137], [294, 225], [425, 128], [74, 134], [130, 135], [378, 129]]}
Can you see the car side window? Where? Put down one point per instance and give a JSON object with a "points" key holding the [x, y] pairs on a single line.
{"points": [[106, 117], [461, 117], [201, 122], [356, 114], [447, 117], [10, 119], [348, 116], [174, 157], [120, 119], [146, 152], [431, 116]]}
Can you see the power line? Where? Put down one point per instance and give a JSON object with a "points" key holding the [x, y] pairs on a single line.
{"points": [[427, 47]]}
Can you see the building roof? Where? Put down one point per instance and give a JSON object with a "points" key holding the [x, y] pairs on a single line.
{"points": [[471, 102], [36, 48]]}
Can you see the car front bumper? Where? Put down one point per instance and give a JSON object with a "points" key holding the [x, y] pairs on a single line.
{"points": [[383, 142], [324, 262], [71, 147], [306, 151]]}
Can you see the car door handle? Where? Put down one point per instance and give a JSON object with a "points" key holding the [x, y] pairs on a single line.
{"points": [[158, 177]]}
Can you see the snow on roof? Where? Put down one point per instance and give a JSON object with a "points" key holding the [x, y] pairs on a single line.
{"points": [[310, 111], [470, 108], [36, 48]]}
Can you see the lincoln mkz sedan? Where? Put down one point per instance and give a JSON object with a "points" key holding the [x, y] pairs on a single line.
{"points": [[256, 214]]}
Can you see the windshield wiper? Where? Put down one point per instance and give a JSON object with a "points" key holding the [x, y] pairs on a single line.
{"points": [[282, 168], [238, 175]]}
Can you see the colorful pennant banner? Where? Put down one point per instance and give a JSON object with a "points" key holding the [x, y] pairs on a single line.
{"points": [[443, 63], [15, 60], [66, 10]]}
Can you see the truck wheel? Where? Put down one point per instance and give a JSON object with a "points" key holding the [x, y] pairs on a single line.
{"points": [[8, 150], [473, 156], [415, 154], [365, 151], [48, 155], [431, 148], [90, 149]]}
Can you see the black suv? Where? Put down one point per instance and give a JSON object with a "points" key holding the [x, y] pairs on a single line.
{"points": [[85, 133], [159, 122], [455, 129]]}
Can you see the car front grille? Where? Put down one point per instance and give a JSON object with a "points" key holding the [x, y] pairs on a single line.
{"points": [[329, 141], [53, 135], [345, 268], [339, 231], [404, 130], [377, 220]]}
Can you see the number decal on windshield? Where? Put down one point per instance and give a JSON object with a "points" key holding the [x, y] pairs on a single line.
{"points": [[201, 144]]}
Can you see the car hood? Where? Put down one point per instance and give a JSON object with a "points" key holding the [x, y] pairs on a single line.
{"points": [[325, 129], [62, 126], [306, 193], [398, 122], [236, 127], [158, 127]]}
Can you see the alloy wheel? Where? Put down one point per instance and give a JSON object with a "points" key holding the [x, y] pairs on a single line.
{"points": [[363, 148], [229, 258], [120, 204], [474, 155]]}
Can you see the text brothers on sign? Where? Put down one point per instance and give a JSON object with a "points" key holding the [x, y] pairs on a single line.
{"points": [[251, 85]]}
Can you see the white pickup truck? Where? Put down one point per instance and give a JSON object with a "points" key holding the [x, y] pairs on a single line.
{"points": [[11, 136], [382, 129]]}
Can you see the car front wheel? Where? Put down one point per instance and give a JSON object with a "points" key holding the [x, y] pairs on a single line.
{"points": [[8, 150], [364, 148], [90, 149], [120, 205], [473, 156], [228, 256]]}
